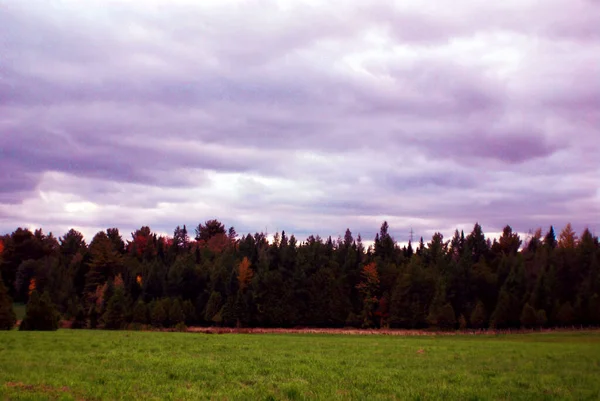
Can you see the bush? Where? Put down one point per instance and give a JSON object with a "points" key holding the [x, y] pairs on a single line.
{"points": [[180, 327]]}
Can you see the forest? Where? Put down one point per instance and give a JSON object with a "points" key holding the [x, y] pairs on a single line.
{"points": [[216, 277]]}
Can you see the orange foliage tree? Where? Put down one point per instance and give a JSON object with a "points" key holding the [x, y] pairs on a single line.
{"points": [[368, 287], [245, 273], [31, 285]]}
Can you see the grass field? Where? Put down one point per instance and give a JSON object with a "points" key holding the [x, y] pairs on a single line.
{"points": [[71, 364]]}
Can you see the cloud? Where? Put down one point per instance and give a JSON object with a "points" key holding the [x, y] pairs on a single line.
{"points": [[308, 117]]}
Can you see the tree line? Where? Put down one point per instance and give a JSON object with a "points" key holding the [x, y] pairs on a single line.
{"points": [[219, 278]]}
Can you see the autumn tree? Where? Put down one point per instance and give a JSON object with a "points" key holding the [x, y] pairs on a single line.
{"points": [[245, 274], [567, 238], [368, 287]]}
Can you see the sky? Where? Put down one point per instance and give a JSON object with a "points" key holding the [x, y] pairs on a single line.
{"points": [[304, 116]]}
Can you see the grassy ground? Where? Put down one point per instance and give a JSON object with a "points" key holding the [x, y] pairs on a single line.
{"points": [[71, 364]]}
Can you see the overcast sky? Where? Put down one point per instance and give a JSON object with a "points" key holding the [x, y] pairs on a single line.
{"points": [[308, 116]]}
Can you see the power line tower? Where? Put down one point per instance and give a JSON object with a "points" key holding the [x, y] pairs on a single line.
{"points": [[411, 232]]}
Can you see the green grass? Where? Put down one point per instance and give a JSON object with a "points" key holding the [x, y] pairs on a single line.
{"points": [[71, 364]]}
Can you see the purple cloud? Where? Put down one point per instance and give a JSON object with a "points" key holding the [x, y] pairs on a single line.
{"points": [[304, 117]]}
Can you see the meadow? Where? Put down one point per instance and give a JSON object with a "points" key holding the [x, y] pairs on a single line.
{"points": [[90, 365]]}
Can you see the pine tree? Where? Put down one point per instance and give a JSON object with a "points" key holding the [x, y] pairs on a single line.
{"points": [[566, 314], [114, 317], [80, 321], [542, 319], [41, 314], [7, 314], [446, 319], [594, 309], [462, 322], [478, 316], [529, 318], [176, 315], [158, 315], [94, 315], [213, 306], [189, 311], [140, 313]]}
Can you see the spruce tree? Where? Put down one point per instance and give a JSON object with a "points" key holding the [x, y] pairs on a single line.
{"points": [[140, 313], [566, 314], [41, 314], [114, 317], [93, 317], [529, 318], [80, 321], [158, 315], [189, 311], [213, 306], [7, 314], [542, 319], [176, 315], [446, 319], [478, 316]]}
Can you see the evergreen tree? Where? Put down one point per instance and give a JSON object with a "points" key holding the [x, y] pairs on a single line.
{"points": [[189, 311], [158, 315], [94, 316], [541, 318], [41, 314], [176, 314], [80, 321], [213, 306], [550, 239], [566, 314], [7, 314], [140, 313], [114, 317], [529, 318], [462, 322], [478, 316], [446, 319]]}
